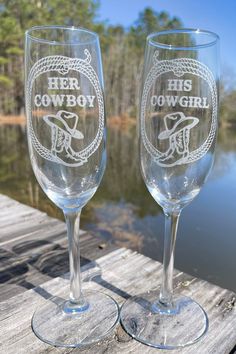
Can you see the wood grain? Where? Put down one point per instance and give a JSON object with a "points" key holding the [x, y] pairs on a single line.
{"points": [[120, 273], [33, 247], [113, 274]]}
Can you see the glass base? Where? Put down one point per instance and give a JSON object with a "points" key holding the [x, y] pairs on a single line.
{"points": [[55, 325], [151, 323]]}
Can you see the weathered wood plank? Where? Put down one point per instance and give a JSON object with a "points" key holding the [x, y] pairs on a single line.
{"points": [[114, 274], [33, 247], [33, 250]]}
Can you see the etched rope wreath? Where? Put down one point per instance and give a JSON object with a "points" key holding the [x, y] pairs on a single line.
{"points": [[180, 67], [62, 65]]}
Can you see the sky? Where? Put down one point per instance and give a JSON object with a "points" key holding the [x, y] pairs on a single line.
{"points": [[214, 15]]}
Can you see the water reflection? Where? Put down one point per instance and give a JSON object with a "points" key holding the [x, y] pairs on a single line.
{"points": [[123, 211]]}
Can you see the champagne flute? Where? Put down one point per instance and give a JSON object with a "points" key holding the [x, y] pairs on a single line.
{"points": [[67, 147], [178, 128]]}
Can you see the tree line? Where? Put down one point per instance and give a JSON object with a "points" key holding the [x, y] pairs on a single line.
{"points": [[122, 49]]}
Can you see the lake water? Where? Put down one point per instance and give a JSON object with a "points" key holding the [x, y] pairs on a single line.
{"points": [[122, 210]]}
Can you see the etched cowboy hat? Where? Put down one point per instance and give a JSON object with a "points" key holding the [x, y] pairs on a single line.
{"points": [[175, 122], [63, 121]]}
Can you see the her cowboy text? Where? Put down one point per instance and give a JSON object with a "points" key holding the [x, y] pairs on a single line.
{"points": [[68, 100]]}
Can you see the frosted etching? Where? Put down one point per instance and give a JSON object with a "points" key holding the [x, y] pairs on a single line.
{"points": [[61, 132], [181, 125], [178, 137]]}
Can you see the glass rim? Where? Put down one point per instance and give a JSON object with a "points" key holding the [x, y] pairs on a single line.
{"points": [[214, 38], [28, 34]]}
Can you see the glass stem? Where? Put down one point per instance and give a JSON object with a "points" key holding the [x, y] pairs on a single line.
{"points": [[73, 223], [171, 225]]}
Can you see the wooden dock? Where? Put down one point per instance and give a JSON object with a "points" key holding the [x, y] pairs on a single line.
{"points": [[33, 263]]}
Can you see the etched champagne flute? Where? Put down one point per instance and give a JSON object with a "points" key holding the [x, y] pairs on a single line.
{"points": [[178, 128], [67, 146]]}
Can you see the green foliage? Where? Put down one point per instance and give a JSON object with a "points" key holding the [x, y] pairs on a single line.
{"points": [[122, 48], [9, 32], [15, 51], [228, 108], [18, 15], [28, 13], [151, 21], [123, 59], [3, 60], [5, 81]]}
